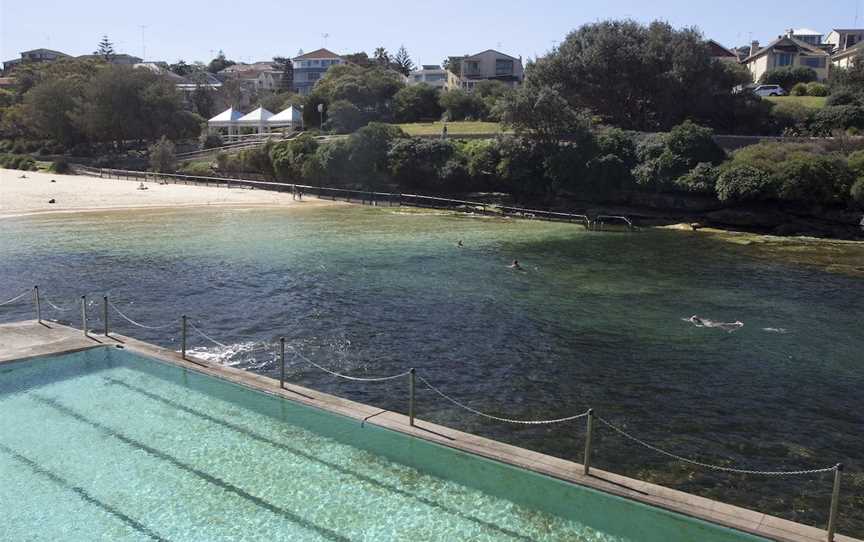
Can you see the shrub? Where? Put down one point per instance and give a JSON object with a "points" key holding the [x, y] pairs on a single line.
{"points": [[418, 163], [817, 89], [459, 104], [203, 169], [17, 161], [810, 178], [800, 89], [743, 183], [838, 117], [788, 76], [792, 115], [844, 96], [163, 159], [210, 141], [856, 163], [60, 165], [344, 117], [702, 179], [857, 192]]}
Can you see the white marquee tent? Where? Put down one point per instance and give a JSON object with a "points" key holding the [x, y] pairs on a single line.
{"points": [[260, 120]]}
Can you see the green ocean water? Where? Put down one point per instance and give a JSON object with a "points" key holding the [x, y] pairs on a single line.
{"points": [[595, 319]]}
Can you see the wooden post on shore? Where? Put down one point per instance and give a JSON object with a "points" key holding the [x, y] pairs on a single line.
{"points": [[105, 313], [84, 314], [183, 336], [282, 362], [411, 375], [588, 434], [835, 498], [38, 306]]}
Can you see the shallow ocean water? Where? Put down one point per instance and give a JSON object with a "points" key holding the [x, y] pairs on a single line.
{"points": [[596, 319]]}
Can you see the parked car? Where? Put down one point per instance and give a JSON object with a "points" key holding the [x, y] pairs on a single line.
{"points": [[769, 90]]}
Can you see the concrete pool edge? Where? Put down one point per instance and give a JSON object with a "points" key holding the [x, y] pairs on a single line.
{"points": [[20, 341]]}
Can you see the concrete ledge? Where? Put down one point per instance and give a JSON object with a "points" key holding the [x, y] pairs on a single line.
{"points": [[23, 340]]}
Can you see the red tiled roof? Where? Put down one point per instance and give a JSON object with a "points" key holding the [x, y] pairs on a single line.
{"points": [[320, 53]]}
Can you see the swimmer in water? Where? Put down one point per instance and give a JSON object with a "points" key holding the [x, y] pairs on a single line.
{"points": [[704, 322], [515, 265], [459, 243]]}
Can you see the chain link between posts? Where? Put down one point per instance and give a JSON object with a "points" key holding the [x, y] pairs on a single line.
{"points": [[708, 465], [133, 322], [347, 377], [491, 417], [16, 298]]}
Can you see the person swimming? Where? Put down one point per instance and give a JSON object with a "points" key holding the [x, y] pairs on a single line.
{"points": [[515, 265], [459, 244], [698, 321]]}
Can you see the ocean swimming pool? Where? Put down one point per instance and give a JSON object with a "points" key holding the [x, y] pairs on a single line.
{"points": [[108, 444]]}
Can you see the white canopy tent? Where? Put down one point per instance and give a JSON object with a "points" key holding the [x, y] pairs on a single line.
{"points": [[226, 119], [289, 118], [256, 119]]}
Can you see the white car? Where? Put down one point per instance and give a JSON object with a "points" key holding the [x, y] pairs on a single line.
{"points": [[769, 90]]}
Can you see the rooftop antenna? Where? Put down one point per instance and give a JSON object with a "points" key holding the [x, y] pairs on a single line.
{"points": [[325, 36], [143, 44]]}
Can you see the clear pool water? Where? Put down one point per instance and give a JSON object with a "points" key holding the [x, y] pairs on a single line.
{"points": [[108, 445]]}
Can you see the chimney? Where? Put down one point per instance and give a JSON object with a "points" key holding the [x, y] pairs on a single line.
{"points": [[754, 47]]}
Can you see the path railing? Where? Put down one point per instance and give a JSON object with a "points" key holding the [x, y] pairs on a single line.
{"points": [[364, 197], [590, 416]]}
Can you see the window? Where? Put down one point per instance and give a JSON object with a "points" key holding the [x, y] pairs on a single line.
{"points": [[783, 59], [503, 66], [435, 77], [312, 76], [472, 67], [418, 77], [813, 62]]}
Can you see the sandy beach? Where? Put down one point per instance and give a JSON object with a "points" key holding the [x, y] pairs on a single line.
{"points": [[77, 193]]}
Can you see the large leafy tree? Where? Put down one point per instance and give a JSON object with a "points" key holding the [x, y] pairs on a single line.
{"points": [[219, 63], [369, 90], [417, 102], [285, 66], [635, 76]]}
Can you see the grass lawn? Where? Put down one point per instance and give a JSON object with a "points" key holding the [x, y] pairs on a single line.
{"points": [[815, 102], [453, 128]]}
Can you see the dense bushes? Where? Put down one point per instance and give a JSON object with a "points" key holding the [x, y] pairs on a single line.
{"points": [[202, 169], [795, 173], [788, 76], [17, 161], [60, 165]]}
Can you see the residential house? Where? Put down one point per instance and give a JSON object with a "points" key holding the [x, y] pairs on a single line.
{"points": [[722, 53], [787, 50], [490, 65], [33, 56], [848, 56], [843, 39], [255, 77], [808, 36], [430, 74], [310, 67], [119, 59], [185, 85]]}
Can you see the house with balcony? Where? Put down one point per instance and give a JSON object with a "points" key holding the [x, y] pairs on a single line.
{"points": [[254, 77], [848, 56], [842, 39], [489, 65], [33, 56], [309, 68], [430, 74], [787, 50]]}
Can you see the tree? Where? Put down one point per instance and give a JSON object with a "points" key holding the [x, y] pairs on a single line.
{"points": [[420, 164], [163, 159], [343, 117], [402, 62], [360, 59], [370, 90], [666, 158], [105, 49], [50, 107], [219, 63], [285, 66], [543, 115], [381, 57], [368, 149], [203, 101], [417, 102], [460, 104], [181, 68], [635, 76], [453, 64]]}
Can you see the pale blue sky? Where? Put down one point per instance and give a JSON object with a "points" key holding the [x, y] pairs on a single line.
{"points": [[259, 29]]}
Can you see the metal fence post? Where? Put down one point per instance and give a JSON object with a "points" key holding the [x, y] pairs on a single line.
{"points": [[282, 362], [84, 314], [835, 498], [105, 313], [588, 434], [183, 336], [38, 306], [411, 375]]}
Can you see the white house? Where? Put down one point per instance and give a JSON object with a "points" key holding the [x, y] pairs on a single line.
{"points": [[432, 75]]}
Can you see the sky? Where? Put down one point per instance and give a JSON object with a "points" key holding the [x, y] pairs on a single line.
{"points": [[253, 30]]}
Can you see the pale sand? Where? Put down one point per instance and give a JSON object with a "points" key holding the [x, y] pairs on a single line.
{"points": [[77, 193]]}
